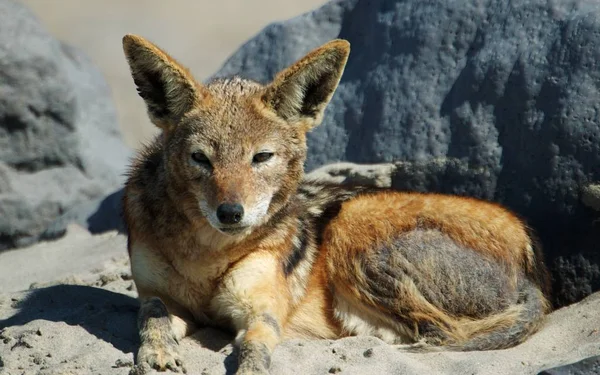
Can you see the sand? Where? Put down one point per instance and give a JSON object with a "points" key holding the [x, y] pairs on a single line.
{"points": [[79, 317]]}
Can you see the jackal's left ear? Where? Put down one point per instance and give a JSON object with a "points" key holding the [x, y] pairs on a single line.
{"points": [[167, 87], [301, 92]]}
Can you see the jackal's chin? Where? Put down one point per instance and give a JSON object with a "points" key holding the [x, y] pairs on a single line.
{"points": [[239, 231], [235, 231]]}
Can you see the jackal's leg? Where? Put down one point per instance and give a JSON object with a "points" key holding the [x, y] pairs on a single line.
{"points": [[257, 343], [160, 331], [254, 295]]}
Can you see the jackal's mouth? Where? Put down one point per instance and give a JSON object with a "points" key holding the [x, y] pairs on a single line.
{"points": [[233, 230]]}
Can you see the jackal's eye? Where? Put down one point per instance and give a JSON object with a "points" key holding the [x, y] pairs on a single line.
{"points": [[262, 157], [200, 158]]}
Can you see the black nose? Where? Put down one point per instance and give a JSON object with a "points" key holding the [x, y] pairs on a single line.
{"points": [[230, 213]]}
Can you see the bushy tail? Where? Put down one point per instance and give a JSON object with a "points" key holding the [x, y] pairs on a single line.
{"points": [[499, 331]]}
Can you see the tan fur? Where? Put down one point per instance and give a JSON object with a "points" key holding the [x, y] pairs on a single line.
{"points": [[224, 231]]}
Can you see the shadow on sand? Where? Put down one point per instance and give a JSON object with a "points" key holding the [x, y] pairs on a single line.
{"points": [[107, 315], [110, 316]]}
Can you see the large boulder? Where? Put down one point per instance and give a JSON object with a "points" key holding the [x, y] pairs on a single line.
{"points": [[59, 139], [494, 99]]}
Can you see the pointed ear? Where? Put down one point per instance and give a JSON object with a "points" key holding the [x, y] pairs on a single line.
{"points": [[302, 91], [167, 87]]}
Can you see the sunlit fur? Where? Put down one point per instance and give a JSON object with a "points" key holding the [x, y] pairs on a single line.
{"points": [[308, 259]]}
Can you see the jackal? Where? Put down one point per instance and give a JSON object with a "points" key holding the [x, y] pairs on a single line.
{"points": [[224, 230]]}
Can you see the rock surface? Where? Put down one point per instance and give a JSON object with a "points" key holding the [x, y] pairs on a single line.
{"points": [[588, 366], [506, 94], [59, 138]]}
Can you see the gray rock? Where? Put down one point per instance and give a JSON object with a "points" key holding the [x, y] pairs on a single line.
{"points": [[59, 138], [590, 196], [504, 94], [588, 366], [98, 216], [376, 175]]}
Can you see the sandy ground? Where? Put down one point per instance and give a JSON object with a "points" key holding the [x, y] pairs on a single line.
{"points": [[199, 33], [84, 321]]}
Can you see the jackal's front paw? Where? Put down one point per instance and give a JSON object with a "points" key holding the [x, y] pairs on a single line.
{"points": [[252, 369], [255, 359], [161, 357]]}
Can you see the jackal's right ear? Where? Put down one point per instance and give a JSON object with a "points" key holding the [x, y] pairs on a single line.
{"points": [[301, 92], [167, 87]]}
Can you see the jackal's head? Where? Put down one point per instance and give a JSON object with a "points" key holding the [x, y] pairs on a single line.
{"points": [[234, 149]]}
